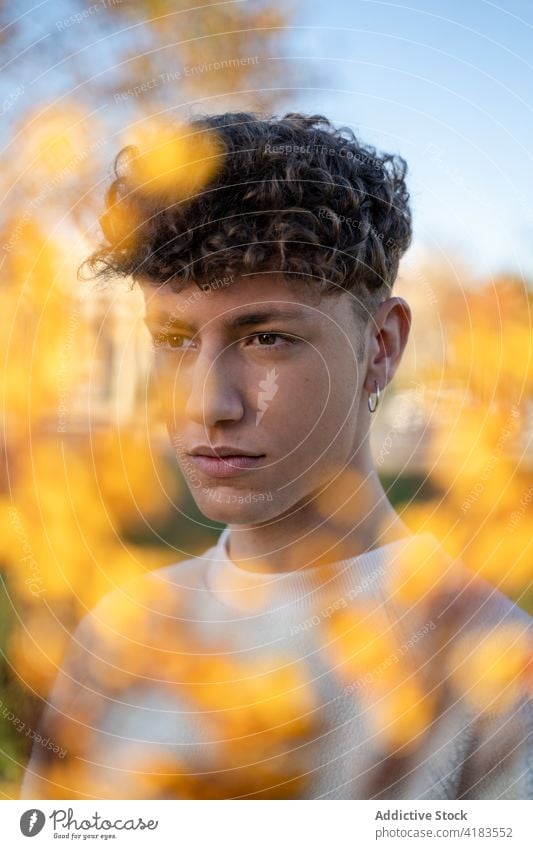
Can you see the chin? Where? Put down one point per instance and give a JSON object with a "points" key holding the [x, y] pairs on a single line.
{"points": [[229, 505]]}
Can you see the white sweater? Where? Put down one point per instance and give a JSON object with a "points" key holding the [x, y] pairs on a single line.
{"points": [[132, 727]]}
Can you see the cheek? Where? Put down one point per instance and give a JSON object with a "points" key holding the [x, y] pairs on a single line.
{"points": [[288, 408], [304, 388], [316, 419], [315, 400]]}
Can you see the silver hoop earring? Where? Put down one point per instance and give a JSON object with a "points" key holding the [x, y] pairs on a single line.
{"points": [[370, 407]]}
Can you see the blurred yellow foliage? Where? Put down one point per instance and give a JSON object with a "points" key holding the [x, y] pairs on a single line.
{"points": [[401, 715], [479, 439], [358, 643], [492, 669], [419, 571], [55, 139], [172, 159], [39, 348], [366, 653]]}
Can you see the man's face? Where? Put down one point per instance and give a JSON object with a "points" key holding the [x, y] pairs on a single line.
{"points": [[268, 370]]}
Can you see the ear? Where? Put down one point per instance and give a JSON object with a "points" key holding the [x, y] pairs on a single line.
{"points": [[389, 331]]}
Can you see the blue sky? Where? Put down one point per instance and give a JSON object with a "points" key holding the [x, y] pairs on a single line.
{"points": [[449, 85]]}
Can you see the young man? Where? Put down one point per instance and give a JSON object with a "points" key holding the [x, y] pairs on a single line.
{"points": [[289, 660]]}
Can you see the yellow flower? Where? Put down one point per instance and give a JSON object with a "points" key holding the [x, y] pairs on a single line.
{"points": [[402, 715], [491, 669], [174, 159]]}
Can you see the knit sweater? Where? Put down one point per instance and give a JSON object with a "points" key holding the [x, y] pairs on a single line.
{"points": [[205, 680]]}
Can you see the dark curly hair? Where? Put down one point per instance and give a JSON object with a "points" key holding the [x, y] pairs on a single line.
{"points": [[292, 195]]}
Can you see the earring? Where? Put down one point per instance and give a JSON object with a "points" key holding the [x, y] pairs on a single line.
{"points": [[372, 409]]}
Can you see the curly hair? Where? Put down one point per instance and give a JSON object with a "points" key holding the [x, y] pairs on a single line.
{"points": [[292, 195]]}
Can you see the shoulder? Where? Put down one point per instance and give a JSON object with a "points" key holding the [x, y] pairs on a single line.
{"points": [[427, 572], [481, 604], [460, 627], [115, 644], [162, 591], [141, 615]]}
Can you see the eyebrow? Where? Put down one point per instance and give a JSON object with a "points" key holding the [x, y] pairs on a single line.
{"points": [[248, 319]]}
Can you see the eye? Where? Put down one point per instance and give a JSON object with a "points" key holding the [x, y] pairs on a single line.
{"points": [[173, 341], [178, 342], [266, 340]]}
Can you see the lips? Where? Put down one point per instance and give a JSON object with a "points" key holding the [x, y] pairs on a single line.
{"points": [[227, 466], [223, 451]]}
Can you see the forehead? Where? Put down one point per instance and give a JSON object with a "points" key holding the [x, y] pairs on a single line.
{"points": [[227, 298]]}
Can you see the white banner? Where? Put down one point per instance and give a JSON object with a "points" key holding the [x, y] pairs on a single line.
{"points": [[267, 825]]}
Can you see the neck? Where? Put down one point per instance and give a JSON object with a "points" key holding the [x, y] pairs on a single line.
{"points": [[330, 527]]}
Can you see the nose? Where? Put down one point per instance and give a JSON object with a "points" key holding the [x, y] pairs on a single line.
{"points": [[214, 395]]}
